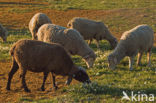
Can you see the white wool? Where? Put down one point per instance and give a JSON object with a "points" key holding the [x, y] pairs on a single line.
{"points": [[70, 39], [139, 39], [91, 29], [36, 22]]}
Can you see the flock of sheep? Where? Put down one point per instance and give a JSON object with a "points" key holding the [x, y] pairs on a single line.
{"points": [[51, 46]]}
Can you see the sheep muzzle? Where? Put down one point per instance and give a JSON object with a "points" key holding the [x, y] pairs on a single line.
{"points": [[89, 62]]}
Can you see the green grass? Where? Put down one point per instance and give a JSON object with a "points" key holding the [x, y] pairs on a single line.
{"points": [[100, 4], [127, 19], [107, 85], [129, 12], [14, 10], [14, 35]]}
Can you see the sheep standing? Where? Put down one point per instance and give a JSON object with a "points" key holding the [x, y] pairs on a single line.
{"points": [[35, 23], [137, 40], [70, 39], [90, 29], [37, 56], [3, 33]]}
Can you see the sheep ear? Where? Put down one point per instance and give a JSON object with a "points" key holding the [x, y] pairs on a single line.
{"points": [[115, 60]]}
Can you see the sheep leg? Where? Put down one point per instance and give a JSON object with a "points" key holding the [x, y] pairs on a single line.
{"points": [[68, 80], [139, 59], [89, 41], [24, 85], [54, 85], [149, 58], [131, 61], [11, 73], [97, 44], [34, 37], [44, 80]]}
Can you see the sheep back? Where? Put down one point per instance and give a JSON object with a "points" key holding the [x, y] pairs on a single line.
{"points": [[138, 39], [36, 21], [70, 39], [86, 27], [38, 56], [89, 28]]}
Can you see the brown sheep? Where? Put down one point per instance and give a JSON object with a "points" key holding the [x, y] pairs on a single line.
{"points": [[36, 21], [37, 56]]}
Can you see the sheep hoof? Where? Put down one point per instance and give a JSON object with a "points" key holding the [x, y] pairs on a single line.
{"points": [[149, 65], [131, 69], [55, 87], [67, 82], [27, 90], [7, 88], [42, 89], [138, 65]]}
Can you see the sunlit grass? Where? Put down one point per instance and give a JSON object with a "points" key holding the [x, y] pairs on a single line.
{"points": [[5, 47], [107, 85], [100, 4]]}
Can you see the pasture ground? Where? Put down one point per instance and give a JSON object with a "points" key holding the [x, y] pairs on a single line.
{"points": [[108, 85]]}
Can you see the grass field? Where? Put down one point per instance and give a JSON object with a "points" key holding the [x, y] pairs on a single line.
{"points": [[107, 85], [100, 4]]}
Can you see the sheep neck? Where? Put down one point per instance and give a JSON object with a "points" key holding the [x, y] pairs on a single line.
{"points": [[109, 36], [73, 70], [119, 52], [84, 51]]}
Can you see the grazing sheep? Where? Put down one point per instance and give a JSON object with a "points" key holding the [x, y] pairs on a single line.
{"points": [[70, 39], [90, 29], [137, 40], [35, 23], [3, 33], [37, 56]]}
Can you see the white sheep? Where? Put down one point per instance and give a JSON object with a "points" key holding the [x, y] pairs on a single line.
{"points": [[36, 21], [137, 40], [90, 29], [70, 39], [38, 56], [3, 33]]}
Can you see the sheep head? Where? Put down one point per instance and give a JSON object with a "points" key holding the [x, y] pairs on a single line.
{"points": [[112, 61], [89, 59], [114, 43], [81, 75], [89, 62]]}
